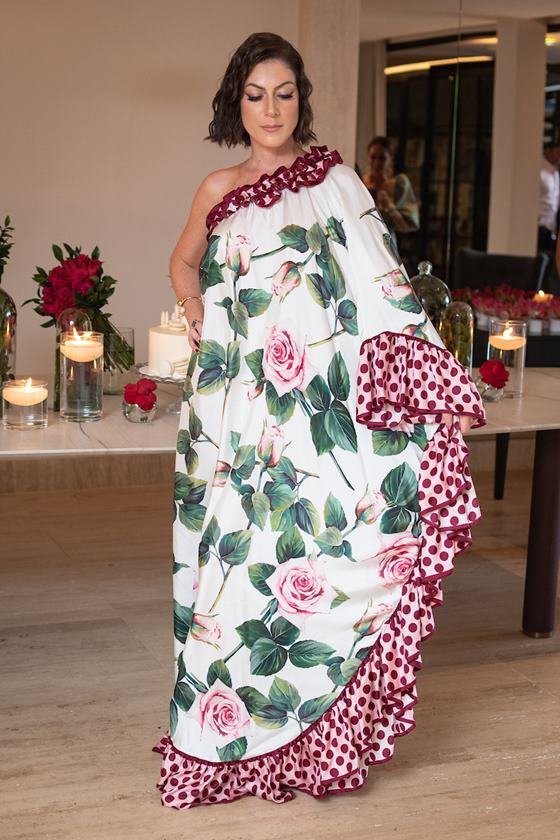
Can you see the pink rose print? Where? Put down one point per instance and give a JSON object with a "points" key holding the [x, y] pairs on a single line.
{"points": [[221, 711], [370, 506], [406, 427], [205, 628], [255, 390], [286, 279], [271, 445], [395, 285], [285, 362], [373, 618], [238, 254], [221, 473], [397, 560], [301, 587]]}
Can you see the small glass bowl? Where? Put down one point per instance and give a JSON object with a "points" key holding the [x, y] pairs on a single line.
{"points": [[134, 414]]}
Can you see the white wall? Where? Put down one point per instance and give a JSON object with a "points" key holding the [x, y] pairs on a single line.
{"points": [[104, 106]]}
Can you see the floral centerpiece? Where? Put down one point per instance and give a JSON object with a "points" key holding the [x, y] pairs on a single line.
{"points": [[140, 401], [492, 379], [79, 281]]}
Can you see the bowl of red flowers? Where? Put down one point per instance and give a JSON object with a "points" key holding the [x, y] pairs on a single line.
{"points": [[492, 379], [140, 401]]}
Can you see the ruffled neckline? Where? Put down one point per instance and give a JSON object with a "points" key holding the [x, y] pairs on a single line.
{"points": [[307, 170]]}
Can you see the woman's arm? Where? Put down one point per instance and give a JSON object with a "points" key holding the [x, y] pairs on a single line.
{"points": [[403, 209], [189, 250]]}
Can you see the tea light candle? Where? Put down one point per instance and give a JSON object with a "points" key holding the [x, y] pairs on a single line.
{"points": [[507, 341], [81, 347], [25, 392], [542, 297]]}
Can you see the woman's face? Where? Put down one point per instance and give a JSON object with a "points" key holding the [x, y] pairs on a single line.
{"points": [[380, 160], [270, 103]]}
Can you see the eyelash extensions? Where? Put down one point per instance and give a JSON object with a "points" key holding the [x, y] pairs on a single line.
{"points": [[280, 96]]}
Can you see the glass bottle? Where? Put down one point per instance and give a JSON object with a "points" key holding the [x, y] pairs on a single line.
{"points": [[457, 332], [432, 293], [8, 312]]}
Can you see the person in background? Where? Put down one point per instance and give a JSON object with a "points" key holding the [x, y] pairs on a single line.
{"points": [[549, 198], [393, 194]]}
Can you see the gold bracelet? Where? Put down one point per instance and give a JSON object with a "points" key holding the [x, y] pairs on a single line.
{"points": [[182, 301]]}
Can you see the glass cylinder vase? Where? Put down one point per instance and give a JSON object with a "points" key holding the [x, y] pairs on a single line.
{"points": [[432, 293], [457, 332], [8, 320], [118, 359], [81, 376], [24, 404], [507, 341], [68, 320]]}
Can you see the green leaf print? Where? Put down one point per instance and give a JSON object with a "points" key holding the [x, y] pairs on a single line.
{"points": [[256, 301], [218, 670], [189, 489], [281, 407], [253, 700], [267, 657], [334, 513], [225, 303], [182, 618], [347, 549], [284, 695], [293, 236], [191, 461], [203, 554], [329, 538], [211, 380], [318, 393], [347, 316], [183, 442], [257, 507], [195, 424], [233, 360], [244, 461], [188, 389], [339, 379], [252, 630], [192, 516], [254, 363], [334, 673], [258, 574], [394, 520], [349, 667], [235, 437], [400, 486], [290, 545], [307, 517], [234, 547], [321, 439], [388, 442], [281, 495], [336, 231], [407, 304], [173, 718], [363, 652], [210, 272], [419, 436], [233, 751], [238, 318], [195, 683], [311, 710], [307, 653], [211, 354], [284, 471], [181, 670], [318, 289], [332, 276], [417, 528], [283, 520], [212, 532], [340, 428], [284, 632], [317, 241], [271, 718], [341, 597]]}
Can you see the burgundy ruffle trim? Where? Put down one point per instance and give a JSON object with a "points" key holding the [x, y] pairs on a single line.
{"points": [[359, 729], [307, 170]]}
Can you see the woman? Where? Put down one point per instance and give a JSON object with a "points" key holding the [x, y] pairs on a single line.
{"points": [[393, 194], [307, 559]]}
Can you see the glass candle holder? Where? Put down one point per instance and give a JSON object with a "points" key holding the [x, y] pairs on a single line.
{"points": [[118, 359], [457, 332], [507, 341], [24, 404], [81, 376]]}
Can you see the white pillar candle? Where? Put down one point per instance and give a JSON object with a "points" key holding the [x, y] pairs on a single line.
{"points": [[507, 341], [81, 347], [25, 392]]}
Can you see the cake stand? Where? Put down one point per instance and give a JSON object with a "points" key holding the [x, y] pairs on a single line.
{"points": [[178, 380]]}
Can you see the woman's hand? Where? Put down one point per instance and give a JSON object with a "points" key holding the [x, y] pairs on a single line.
{"points": [[194, 314], [465, 420]]}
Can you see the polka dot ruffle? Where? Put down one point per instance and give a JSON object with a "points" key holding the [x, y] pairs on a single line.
{"points": [[376, 707]]}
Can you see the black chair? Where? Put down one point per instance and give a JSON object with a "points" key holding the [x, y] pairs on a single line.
{"points": [[477, 269]]}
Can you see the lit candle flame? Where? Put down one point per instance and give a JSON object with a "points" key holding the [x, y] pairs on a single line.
{"points": [[79, 338], [508, 332], [27, 386]]}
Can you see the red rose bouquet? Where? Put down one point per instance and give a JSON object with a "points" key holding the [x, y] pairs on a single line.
{"points": [[494, 373], [141, 393]]}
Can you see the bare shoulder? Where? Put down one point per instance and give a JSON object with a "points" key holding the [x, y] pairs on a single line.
{"points": [[216, 185]]}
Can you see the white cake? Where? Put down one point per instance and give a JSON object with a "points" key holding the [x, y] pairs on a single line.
{"points": [[168, 346]]}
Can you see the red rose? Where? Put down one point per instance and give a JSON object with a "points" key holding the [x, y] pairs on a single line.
{"points": [[130, 394], [146, 386], [145, 401], [494, 373]]}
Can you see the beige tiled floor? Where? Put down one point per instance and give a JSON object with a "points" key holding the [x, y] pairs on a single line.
{"points": [[86, 667]]}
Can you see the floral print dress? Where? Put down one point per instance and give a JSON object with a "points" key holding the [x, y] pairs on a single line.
{"points": [[319, 497]]}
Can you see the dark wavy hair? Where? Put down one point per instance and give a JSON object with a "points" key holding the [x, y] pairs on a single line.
{"points": [[227, 126]]}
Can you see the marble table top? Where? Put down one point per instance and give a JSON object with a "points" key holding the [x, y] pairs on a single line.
{"points": [[538, 408]]}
